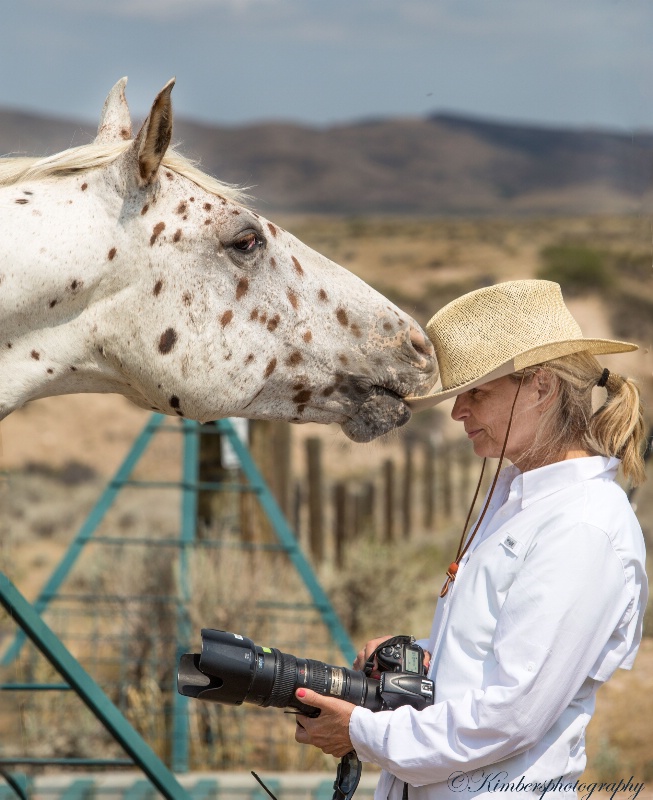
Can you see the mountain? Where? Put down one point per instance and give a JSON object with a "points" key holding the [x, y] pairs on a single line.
{"points": [[443, 164]]}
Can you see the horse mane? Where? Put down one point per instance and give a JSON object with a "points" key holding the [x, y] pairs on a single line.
{"points": [[18, 169]]}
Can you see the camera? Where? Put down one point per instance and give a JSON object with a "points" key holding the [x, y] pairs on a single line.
{"points": [[231, 669]]}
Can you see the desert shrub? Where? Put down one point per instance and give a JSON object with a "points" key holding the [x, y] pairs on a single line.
{"points": [[634, 265], [578, 269], [632, 316]]}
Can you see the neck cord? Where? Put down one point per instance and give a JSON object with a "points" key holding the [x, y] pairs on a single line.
{"points": [[453, 567]]}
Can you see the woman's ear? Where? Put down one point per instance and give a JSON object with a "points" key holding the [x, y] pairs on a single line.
{"points": [[546, 385]]}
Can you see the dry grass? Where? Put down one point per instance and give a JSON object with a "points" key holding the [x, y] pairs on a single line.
{"points": [[422, 264]]}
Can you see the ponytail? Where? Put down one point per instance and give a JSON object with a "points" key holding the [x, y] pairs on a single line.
{"points": [[617, 428]]}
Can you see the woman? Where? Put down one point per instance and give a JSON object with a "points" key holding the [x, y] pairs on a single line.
{"points": [[545, 597]]}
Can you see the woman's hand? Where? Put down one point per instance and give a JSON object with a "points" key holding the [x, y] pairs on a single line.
{"points": [[367, 651], [329, 731]]}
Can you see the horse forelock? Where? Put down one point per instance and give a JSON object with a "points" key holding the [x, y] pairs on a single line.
{"points": [[18, 169]]}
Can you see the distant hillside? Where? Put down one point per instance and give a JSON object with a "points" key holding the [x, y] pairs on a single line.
{"points": [[444, 164]]}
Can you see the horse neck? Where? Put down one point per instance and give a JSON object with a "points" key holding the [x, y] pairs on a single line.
{"points": [[50, 267]]}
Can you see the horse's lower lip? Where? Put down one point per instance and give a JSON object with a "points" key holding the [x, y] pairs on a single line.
{"points": [[383, 410]]}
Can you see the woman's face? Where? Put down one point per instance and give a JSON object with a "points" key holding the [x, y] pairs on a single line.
{"points": [[485, 412]]}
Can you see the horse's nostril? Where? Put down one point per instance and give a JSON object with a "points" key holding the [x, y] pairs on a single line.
{"points": [[421, 344]]}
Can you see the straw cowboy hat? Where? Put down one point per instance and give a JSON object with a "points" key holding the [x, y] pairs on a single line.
{"points": [[502, 329]]}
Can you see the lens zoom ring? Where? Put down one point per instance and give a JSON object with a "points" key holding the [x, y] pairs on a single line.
{"points": [[284, 681], [318, 682]]}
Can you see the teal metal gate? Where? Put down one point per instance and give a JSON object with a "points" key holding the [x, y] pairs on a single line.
{"points": [[298, 619]]}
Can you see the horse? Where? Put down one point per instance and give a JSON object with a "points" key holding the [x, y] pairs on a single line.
{"points": [[124, 268]]}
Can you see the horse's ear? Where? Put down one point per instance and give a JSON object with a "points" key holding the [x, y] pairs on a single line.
{"points": [[115, 123], [154, 137]]}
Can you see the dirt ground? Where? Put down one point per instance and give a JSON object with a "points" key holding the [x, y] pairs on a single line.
{"points": [[56, 454]]}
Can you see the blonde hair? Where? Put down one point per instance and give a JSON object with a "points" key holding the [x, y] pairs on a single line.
{"points": [[614, 429]]}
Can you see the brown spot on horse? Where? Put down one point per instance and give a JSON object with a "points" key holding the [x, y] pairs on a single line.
{"points": [[356, 330], [156, 232], [177, 235], [303, 396], [292, 297], [294, 359], [270, 368], [174, 401], [341, 315], [112, 253], [307, 337], [35, 355], [322, 295], [254, 314], [207, 206], [84, 187], [187, 298], [241, 289], [274, 321], [167, 341], [145, 209], [157, 288], [249, 358], [298, 267], [53, 303], [272, 229], [226, 318], [182, 208]]}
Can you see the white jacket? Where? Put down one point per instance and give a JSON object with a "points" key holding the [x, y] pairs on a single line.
{"points": [[548, 603]]}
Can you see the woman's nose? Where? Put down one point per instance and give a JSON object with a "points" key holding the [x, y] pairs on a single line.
{"points": [[460, 411]]}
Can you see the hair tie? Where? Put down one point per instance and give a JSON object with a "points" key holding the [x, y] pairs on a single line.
{"points": [[604, 377]]}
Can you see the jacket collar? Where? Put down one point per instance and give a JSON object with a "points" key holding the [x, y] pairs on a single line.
{"points": [[545, 481]]}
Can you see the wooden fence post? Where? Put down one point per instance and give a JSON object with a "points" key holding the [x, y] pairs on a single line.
{"points": [[340, 521], [465, 466], [298, 499], [445, 478], [315, 498], [428, 492], [407, 497], [389, 500], [368, 508]]}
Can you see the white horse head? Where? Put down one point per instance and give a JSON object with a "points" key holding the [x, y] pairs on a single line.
{"points": [[125, 269]]}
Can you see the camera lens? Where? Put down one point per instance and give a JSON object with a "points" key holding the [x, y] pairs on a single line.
{"points": [[233, 670]]}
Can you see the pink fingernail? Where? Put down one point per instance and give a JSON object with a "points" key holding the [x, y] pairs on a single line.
{"points": [[301, 692]]}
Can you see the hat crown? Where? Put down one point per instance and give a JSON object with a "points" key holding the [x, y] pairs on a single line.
{"points": [[479, 332]]}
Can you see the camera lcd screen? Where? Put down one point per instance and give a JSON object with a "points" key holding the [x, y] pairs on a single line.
{"points": [[412, 661]]}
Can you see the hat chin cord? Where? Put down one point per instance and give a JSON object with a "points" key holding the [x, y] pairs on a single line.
{"points": [[463, 546]]}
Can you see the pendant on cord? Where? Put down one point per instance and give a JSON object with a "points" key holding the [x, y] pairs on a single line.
{"points": [[451, 577]]}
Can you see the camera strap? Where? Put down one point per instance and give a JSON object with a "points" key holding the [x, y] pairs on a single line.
{"points": [[347, 777]]}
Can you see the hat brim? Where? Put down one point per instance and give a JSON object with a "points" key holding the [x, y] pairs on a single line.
{"points": [[538, 355]]}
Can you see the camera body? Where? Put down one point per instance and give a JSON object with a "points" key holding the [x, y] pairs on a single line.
{"points": [[231, 669]]}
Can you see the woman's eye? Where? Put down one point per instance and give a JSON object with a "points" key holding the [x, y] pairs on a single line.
{"points": [[247, 243]]}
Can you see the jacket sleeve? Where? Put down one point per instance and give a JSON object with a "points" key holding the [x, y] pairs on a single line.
{"points": [[562, 608]]}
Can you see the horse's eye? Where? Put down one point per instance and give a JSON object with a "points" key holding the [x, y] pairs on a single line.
{"points": [[247, 243]]}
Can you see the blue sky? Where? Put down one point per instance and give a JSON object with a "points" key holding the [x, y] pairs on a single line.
{"points": [[569, 62]]}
